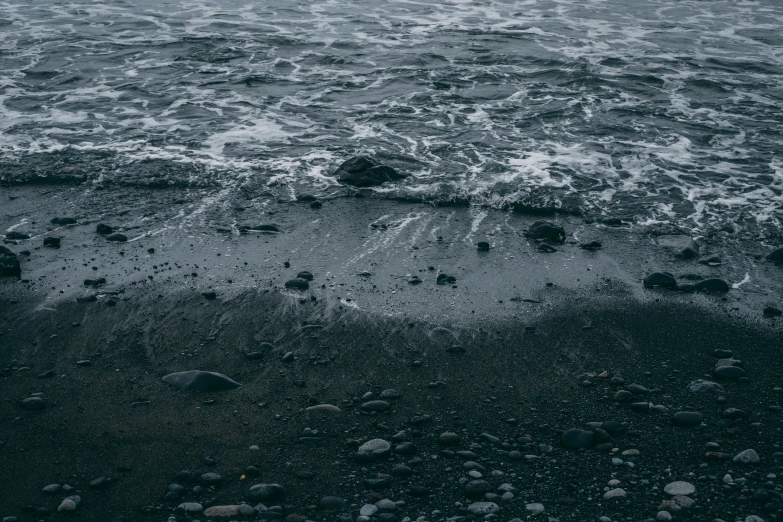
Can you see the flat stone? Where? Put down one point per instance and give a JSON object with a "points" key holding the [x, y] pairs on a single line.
{"points": [[376, 446], [614, 493], [331, 502], [222, 511], [535, 508], [687, 418], [197, 380], [729, 372], [266, 493], [324, 407], [679, 488], [480, 509], [191, 507], [66, 506], [33, 403], [376, 406]]}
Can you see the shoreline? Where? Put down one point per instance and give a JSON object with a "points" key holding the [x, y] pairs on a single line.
{"points": [[527, 351]]}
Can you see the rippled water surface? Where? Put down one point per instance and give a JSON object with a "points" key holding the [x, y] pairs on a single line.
{"points": [[661, 110]]}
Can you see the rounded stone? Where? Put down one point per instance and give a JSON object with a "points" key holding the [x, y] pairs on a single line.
{"points": [[687, 418], [614, 493], [679, 488], [480, 509]]}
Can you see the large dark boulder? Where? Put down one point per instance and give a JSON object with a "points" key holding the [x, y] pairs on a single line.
{"points": [[663, 279], [712, 285], [776, 256], [361, 171], [9, 263], [197, 380], [546, 231]]}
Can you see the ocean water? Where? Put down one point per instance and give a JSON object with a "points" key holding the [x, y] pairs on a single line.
{"points": [[658, 111]]}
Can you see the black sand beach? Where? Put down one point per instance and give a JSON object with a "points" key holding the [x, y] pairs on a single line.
{"points": [[519, 350]]}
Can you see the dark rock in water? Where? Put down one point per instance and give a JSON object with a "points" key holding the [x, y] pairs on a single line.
{"points": [[547, 231], [95, 282], [771, 311], [306, 198], [729, 372], [444, 279], [687, 419], [712, 285], [776, 256], [14, 235], [104, 230], [683, 246], [612, 221], [361, 171], [415, 280], [663, 279], [9, 263], [266, 228], [546, 248], [316, 204], [711, 261], [307, 276], [592, 245], [266, 493], [63, 221], [686, 287], [51, 242], [297, 284], [87, 298], [210, 295], [117, 237], [33, 403], [330, 503], [482, 246], [577, 439], [197, 380]]}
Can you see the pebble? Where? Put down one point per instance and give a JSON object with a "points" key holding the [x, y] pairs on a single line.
{"points": [[687, 418], [663, 516], [679, 488], [324, 407], [376, 406], [614, 493], [330, 502], [33, 403], [702, 386], [197, 380], [577, 439], [191, 507], [748, 456], [729, 372], [662, 279], [535, 508], [448, 438], [266, 493], [483, 508], [368, 510], [67, 505], [222, 511]]}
